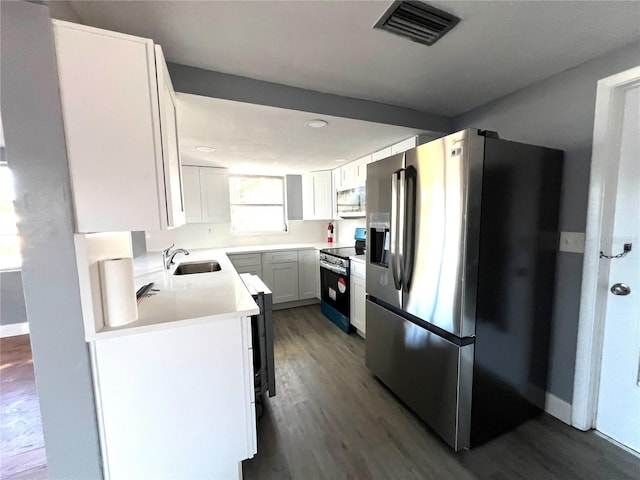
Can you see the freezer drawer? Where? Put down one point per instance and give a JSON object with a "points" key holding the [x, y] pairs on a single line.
{"points": [[430, 374]]}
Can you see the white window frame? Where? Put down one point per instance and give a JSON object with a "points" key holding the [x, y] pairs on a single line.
{"points": [[284, 226]]}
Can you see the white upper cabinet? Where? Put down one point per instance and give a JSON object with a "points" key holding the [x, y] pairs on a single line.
{"points": [[121, 176], [206, 194], [380, 154], [404, 145], [170, 148], [354, 174], [317, 198], [336, 176]]}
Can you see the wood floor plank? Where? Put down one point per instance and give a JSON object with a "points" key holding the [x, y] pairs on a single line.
{"points": [[22, 453], [332, 419]]}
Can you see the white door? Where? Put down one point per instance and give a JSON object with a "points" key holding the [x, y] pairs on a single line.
{"points": [[618, 411]]}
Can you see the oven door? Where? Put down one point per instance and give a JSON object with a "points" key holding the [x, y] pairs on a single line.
{"points": [[334, 285]]}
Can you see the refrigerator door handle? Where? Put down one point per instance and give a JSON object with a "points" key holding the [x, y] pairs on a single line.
{"points": [[393, 248], [402, 217], [409, 227]]}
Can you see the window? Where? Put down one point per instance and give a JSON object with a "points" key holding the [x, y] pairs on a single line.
{"points": [[257, 204], [9, 239]]}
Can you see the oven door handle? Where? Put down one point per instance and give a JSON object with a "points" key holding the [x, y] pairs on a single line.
{"points": [[333, 268]]}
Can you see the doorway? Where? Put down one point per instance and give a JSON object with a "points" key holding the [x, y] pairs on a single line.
{"points": [[606, 386]]}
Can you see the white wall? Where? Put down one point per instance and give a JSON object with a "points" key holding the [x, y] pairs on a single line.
{"points": [[559, 112], [219, 236], [346, 228]]}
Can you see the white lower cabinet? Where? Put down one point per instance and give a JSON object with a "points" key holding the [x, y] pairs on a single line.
{"points": [[290, 274], [177, 403], [308, 270], [280, 273], [357, 316], [247, 263], [282, 279]]}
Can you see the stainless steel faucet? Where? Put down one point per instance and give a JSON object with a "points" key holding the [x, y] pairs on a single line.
{"points": [[168, 254]]}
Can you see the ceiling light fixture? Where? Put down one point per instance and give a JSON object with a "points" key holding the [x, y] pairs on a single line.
{"points": [[316, 123], [341, 159], [205, 149]]}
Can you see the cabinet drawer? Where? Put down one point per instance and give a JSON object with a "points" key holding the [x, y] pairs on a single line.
{"points": [[358, 269], [245, 259], [252, 269], [280, 257]]}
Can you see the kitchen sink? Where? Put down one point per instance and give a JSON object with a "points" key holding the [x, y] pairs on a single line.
{"points": [[189, 268]]}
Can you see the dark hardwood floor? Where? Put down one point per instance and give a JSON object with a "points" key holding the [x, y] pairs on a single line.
{"points": [[331, 419], [22, 454]]}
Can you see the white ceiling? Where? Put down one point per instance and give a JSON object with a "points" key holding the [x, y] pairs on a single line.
{"points": [[329, 46], [257, 139]]}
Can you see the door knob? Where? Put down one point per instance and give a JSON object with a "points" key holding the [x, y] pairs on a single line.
{"points": [[620, 289]]}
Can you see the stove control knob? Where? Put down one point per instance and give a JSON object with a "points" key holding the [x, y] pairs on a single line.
{"points": [[340, 262]]}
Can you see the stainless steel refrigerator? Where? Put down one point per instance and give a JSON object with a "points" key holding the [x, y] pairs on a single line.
{"points": [[461, 246]]}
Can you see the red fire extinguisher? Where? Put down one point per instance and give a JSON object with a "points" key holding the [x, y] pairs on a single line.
{"points": [[330, 233]]}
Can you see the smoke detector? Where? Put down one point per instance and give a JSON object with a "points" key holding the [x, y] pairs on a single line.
{"points": [[417, 21]]}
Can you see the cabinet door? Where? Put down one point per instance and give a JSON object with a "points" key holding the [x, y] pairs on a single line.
{"points": [[109, 98], [214, 188], [308, 269], [322, 195], [358, 304], [336, 176], [380, 154], [170, 152], [403, 146], [316, 196], [282, 280], [361, 170], [146, 373], [192, 194], [349, 174]]}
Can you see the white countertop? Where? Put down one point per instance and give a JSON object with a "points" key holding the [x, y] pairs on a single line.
{"points": [[285, 246], [188, 299], [185, 299], [359, 258]]}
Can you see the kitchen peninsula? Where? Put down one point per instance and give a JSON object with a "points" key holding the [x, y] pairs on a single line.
{"points": [[178, 379]]}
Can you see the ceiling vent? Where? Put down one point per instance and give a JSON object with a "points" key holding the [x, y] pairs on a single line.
{"points": [[417, 21]]}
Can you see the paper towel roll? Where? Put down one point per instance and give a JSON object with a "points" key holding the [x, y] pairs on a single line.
{"points": [[119, 304]]}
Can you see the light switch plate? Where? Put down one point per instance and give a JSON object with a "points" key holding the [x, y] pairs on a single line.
{"points": [[572, 242]]}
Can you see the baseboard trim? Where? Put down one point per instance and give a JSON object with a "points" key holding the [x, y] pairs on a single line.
{"points": [[618, 444], [296, 303], [14, 329], [558, 408]]}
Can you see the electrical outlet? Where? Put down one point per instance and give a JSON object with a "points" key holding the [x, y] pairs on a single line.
{"points": [[572, 242]]}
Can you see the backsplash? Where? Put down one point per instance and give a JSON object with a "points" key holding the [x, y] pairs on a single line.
{"points": [[196, 235], [346, 228]]}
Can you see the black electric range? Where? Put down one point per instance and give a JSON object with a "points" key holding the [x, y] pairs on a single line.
{"points": [[334, 285]]}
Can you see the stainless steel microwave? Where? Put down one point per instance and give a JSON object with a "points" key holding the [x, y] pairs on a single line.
{"points": [[352, 202]]}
